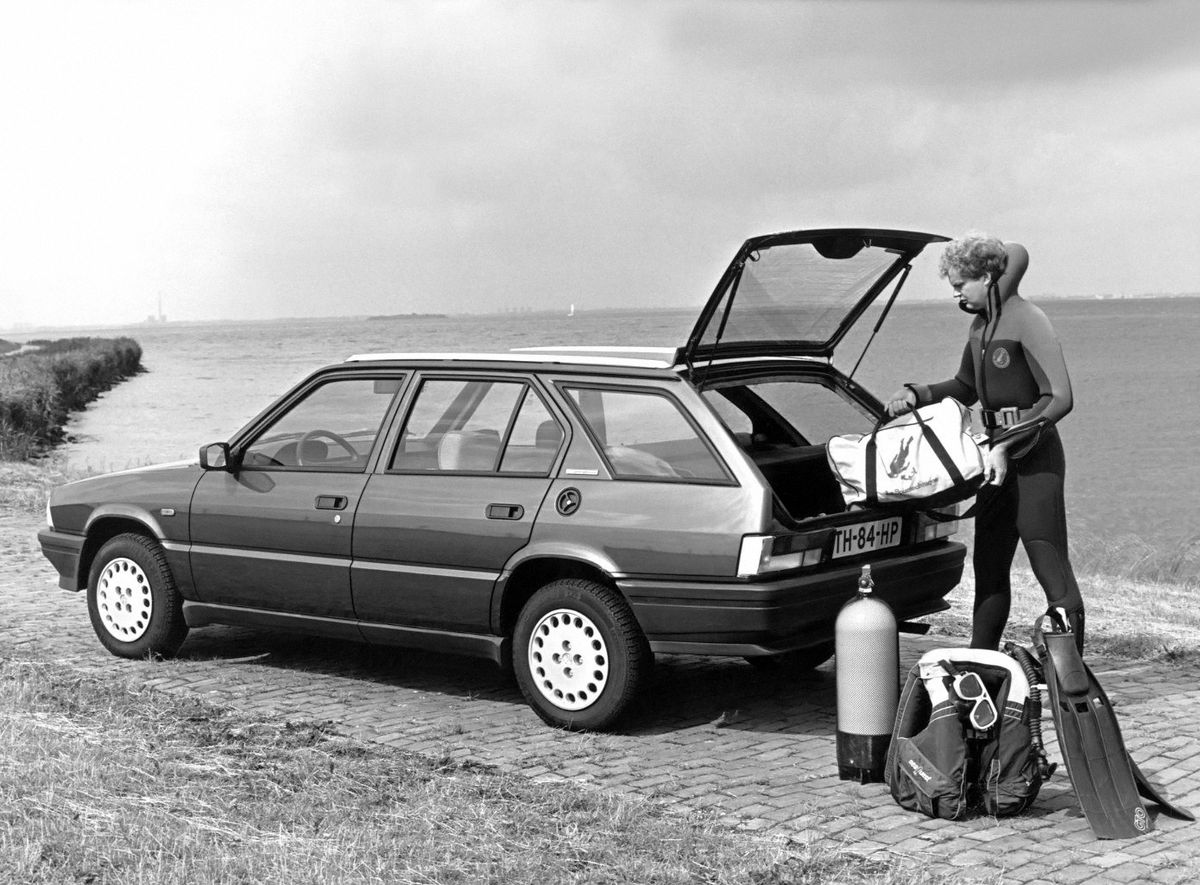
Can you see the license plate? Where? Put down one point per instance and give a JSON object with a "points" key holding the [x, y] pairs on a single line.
{"points": [[849, 540]]}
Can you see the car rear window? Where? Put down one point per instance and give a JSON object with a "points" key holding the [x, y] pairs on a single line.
{"points": [[645, 435], [787, 411]]}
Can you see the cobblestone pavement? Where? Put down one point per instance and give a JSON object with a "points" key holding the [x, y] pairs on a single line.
{"points": [[714, 735]]}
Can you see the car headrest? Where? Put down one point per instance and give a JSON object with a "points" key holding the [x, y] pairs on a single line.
{"points": [[468, 450], [548, 436]]}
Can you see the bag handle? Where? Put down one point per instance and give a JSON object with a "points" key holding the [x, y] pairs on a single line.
{"points": [[935, 445]]}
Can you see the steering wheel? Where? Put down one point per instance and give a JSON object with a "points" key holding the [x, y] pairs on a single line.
{"points": [[327, 434]]}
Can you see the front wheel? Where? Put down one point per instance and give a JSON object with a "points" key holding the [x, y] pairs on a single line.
{"points": [[135, 608], [579, 655]]}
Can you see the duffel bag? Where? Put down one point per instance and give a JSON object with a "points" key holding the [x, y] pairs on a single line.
{"points": [[927, 456]]}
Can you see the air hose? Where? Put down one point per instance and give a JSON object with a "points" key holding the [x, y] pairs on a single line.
{"points": [[1033, 673]]}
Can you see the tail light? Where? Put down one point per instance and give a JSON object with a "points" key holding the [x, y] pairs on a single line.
{"points": [[930, 529], [761, 554]]}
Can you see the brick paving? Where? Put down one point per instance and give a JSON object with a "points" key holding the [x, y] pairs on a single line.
{"points": [[712, 735]]}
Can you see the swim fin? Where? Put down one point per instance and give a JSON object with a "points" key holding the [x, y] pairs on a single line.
{"points": [[1090, 740], [1147, 790]]}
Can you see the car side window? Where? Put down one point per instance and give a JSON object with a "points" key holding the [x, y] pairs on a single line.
{"points": [[644, 434], [462, 425], [535, 439], [737, 421], [333, 428]]}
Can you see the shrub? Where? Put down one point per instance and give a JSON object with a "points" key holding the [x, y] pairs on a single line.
{"points": [[40, 388]]}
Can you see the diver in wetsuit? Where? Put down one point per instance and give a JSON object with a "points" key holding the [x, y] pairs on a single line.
{"points": [[1013, 366]]}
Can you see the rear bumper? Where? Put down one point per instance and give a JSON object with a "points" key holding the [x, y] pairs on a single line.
{"points": [[63, 551], [769, 617]]}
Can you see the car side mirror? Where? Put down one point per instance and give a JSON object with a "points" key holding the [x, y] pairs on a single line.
{"points": [[216, 456]]}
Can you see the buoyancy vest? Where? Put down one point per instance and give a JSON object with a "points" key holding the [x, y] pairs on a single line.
{"points": [[940, 764]]}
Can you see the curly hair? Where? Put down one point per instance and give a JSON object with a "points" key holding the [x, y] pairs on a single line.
{"points": [[974, 255]]}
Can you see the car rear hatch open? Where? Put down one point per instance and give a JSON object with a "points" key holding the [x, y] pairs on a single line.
{"points": [[799, 293]]}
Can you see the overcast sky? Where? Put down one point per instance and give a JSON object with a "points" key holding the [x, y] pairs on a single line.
{"points": [[293, 158]]}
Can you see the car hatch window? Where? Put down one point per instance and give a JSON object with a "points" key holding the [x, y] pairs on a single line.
{"points": [[644, 434], [332, 428]]}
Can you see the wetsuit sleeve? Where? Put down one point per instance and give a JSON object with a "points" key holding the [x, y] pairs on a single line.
{"points": [[1043, 353], [961, 386]]}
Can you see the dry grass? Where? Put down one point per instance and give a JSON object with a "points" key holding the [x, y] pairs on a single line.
{"points": [[1126, 619], [102, 781], [25, 485], [1131, 557]]}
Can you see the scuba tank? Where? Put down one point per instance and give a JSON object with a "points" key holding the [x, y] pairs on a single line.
{"points": [[867, 645]]}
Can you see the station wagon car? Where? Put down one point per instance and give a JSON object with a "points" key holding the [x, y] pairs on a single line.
{"points": [[570, 512]]}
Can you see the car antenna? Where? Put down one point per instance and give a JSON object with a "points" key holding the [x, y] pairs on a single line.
{"points": [[882, 316]]}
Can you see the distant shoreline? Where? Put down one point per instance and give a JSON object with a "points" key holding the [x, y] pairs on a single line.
{"points": [[409, 316], [26, 331]]}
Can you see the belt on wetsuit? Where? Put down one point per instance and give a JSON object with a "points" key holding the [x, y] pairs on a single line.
{"points": [[994, 419]]}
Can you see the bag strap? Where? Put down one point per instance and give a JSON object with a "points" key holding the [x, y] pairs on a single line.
{"points": [[940, 450]]}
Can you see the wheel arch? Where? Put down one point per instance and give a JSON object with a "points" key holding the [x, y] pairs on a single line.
{"points": [[104, 527], [524, 578]]}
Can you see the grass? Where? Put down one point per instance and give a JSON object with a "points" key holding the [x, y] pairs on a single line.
{"points": [[1128, 618], [102, 780], [25, 486], [1133, 558], [40, 388]]}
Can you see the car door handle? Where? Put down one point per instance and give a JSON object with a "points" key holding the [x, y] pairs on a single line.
{"points": [[505, 511], [332, 502]]}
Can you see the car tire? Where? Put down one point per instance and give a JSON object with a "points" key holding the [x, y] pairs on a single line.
{"points": [[135, 607], [797, 661], [579, 655]]}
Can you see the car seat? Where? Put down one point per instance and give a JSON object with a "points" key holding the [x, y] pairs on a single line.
{"points": [[468, 450]]}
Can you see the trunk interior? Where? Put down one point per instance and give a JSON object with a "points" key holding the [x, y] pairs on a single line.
{"points": [[800, 477]]}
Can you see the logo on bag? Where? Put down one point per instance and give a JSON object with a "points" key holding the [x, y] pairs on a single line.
{"points": [[901, 467], [919, 771], [1000, 358]]}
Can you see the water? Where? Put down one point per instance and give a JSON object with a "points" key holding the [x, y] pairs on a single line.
{"points": [[1132, 467]]}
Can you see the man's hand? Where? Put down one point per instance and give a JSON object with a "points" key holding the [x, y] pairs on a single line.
{"points": [[995, 465], [903, 400]]}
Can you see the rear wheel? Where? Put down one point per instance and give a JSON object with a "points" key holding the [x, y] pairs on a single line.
{"points": [[580, 657], [135, 608]]}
